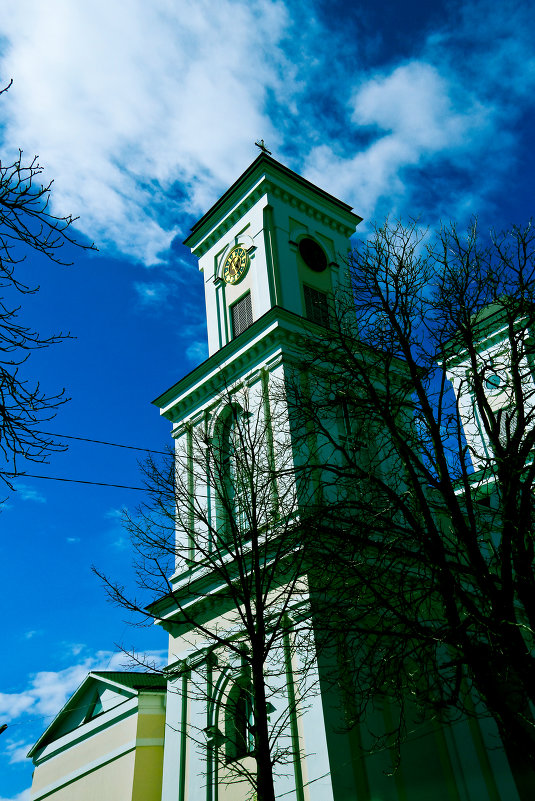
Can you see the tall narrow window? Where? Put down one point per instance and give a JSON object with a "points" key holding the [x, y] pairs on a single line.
{"points": [[507, 420], [344, 417], [241, 314], [233, 476], [239, 732], [316, 306], [227, 483]]}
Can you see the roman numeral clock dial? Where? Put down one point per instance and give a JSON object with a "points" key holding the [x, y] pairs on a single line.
{"points": [[236, 265]]}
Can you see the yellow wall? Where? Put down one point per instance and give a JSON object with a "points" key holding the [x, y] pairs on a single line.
{"points": [[149, 758], [110, 782], [94, 748], [148, 774], [100, 769]]}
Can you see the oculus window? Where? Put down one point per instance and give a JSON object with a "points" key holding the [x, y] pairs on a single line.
{"points": [[312, 254]]}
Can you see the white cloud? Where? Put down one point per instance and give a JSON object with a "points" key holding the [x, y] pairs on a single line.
{"points": [[48, 690], [29, 635], [23, 796], [417, 115], [26, 493], [115, 514], [121, 102], [72, 540], [17, 750], [415, 103], [12, 705], [151, 294], [121, 543], [197, 351], [144, 112], [451, 109]]}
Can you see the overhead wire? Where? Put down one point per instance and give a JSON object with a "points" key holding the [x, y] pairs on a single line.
{"points": [[71, 480], [102, 442], [83, 481]]}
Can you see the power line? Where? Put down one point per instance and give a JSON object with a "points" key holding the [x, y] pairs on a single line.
{"points": [[72, 480], [102, 442]]}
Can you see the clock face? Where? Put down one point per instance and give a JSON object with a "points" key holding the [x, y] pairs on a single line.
{"points": [[236, 265]]}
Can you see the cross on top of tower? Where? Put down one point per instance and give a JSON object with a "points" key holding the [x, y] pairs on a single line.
{"points": [[263, 147]]}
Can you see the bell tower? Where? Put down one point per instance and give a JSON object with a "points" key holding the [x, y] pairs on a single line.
{"points": [[272, 240], [270, 250]]}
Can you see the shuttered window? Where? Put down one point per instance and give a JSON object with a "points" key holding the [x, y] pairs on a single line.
{"points": [[507, 421], [241, 315], [316, 306]]}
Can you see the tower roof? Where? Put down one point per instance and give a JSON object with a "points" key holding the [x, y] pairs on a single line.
{"points": [[261, 165]]}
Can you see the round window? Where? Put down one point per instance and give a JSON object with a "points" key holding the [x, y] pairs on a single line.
{"points": [[312, 254], [494, 381]]}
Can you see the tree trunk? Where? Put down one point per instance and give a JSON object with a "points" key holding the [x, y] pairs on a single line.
{"points": [[521, 768], [264, 779], [509, 703]]}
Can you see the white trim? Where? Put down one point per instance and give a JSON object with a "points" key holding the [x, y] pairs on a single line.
{"points": [[89, 767], [116, 684], [89, 729]]}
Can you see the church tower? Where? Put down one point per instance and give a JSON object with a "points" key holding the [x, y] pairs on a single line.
{"points": [[271, 251], [272, 240], [250, 702]]}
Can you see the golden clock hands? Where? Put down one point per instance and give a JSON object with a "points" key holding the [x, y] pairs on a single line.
{"points": [[235, 262], [235, 265]]}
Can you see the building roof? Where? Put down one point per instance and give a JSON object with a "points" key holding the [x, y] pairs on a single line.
{"points": [[133, 679], [262, 163]]}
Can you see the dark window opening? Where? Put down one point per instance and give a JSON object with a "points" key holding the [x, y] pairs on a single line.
{"points": [[316, 306], [239, 724], [507, 420], [233, 486], [313, 255], [241, 315]]}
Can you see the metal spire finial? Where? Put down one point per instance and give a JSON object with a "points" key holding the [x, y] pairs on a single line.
{"points": [[263, 147]]}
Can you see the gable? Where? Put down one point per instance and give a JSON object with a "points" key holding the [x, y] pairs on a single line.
{"points": [[92, 700]]}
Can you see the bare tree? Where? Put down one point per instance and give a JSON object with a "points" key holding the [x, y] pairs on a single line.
{"points": [[26, 224], [426, 400], [218, 546]]}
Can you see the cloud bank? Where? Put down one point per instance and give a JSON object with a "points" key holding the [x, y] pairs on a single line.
{"points": [[143, 113], [48, 690], [30, 711]]}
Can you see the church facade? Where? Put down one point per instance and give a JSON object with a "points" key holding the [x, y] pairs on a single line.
{"points": [[238, 606]]}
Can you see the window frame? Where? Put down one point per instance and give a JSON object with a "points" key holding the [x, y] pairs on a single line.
{"points": [[325, 311], [239, 742], [232, 309]]}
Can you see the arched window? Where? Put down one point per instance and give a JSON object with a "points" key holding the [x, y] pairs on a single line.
{"points": [[239, 729], [231, 474]]}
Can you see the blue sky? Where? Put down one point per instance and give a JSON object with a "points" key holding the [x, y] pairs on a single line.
{"points": [[143, 113]]}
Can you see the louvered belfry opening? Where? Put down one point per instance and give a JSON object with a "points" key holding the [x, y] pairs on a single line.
{"points": [[242, 315], [316, 306]]}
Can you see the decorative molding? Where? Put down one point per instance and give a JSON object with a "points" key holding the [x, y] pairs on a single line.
{"points": [[266, 187]]}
